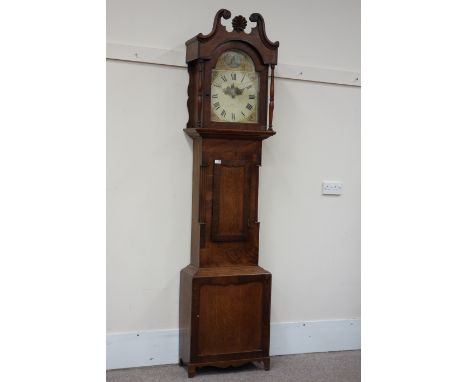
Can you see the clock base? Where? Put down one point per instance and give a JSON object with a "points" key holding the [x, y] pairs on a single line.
{"points": [[192, 367], [224, 316]]}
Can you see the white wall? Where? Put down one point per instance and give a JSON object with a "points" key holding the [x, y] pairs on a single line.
{"points": [[324, 33], [310, 242]]}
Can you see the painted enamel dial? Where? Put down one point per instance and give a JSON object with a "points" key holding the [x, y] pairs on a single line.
{"points": [[234, 89]]}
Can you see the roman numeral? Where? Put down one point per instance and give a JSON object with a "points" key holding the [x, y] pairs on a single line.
{"points": [[233, 76], [216, 105], [233, 116], [214, 96], [251, 96], [218, 86], [249, 106], [242, 113], [243, 78], [223, 113], [223, 77]]}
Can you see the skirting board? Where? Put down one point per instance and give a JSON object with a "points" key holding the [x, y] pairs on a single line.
{"points": [[160, 347], [152, 55]]}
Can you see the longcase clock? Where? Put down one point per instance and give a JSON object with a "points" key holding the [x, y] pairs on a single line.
{"points": [[224, 308]]}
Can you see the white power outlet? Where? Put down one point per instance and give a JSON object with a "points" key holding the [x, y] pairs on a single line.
{"points": [[332, 188]]}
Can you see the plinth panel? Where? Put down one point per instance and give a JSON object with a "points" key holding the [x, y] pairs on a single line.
{"points": [[230, 318]]}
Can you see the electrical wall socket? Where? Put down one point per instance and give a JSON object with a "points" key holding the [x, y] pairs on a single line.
{"points": [[332, 188]]}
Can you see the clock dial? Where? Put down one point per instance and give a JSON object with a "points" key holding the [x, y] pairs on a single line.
{"points": [[234, 89], [234, 96]]}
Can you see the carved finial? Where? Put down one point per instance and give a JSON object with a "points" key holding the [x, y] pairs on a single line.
{"points": [[258, 18], [254, 17], [224, 13], [239, 23]]}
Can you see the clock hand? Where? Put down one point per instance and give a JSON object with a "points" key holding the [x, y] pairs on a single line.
{"points": [[231, 90]]}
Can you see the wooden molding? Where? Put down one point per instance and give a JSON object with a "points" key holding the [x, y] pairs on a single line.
{"points": [[229, 133]]}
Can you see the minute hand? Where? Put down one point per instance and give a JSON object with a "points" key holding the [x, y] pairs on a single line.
{"points": [[247, 87]]}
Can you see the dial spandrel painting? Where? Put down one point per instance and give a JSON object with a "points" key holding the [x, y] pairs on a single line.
{"points": [[234, 89]]}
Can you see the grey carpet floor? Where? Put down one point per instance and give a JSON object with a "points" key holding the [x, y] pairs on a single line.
{"points": [[342, 366]]}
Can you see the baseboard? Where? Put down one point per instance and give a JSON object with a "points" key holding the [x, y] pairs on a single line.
{"points": [[160, 347], [314, 336]]}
